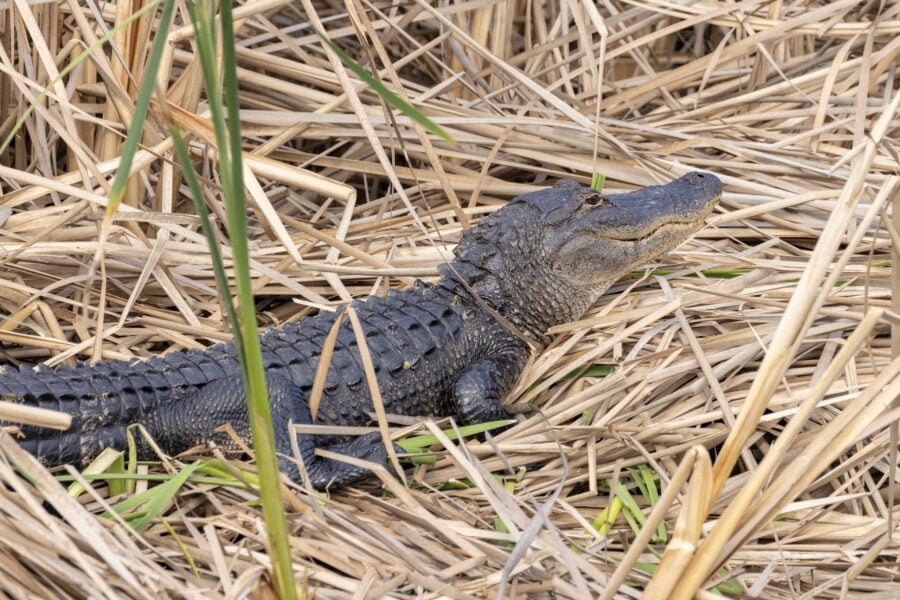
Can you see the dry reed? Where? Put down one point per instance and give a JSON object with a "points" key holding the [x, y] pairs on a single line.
{"points": [[752, 386]]}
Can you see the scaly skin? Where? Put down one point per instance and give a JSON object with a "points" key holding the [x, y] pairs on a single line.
{"points": [[540, 261]]}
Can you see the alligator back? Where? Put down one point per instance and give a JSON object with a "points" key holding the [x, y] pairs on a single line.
{"points": [[419, 341]]}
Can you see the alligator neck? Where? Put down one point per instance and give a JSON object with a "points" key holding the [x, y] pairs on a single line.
{"points": [[548, 304]]}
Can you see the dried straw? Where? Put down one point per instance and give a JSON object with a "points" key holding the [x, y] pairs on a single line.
{"points": [[759, 405]]}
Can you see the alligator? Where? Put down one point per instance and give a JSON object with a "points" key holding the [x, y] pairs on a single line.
{"points": [[455, 347]]}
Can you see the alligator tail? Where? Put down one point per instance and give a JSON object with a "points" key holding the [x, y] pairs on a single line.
{"points": [[105, 398]]}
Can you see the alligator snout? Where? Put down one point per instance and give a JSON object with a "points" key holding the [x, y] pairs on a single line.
{"points": [[707, 182]]}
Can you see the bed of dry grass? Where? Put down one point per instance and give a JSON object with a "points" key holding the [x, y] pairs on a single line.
{"points": [[749, 391]]}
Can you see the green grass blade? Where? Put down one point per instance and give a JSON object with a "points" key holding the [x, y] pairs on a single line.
{"points": [[187, 170], [84, 54], [228, 142], [154, 501], [419, 442], [181, 546], [141, 107], [650, 484], [599, 371], [501, 527], [607, 517], [107, 462], [126, 478], [386, 94], [639, 481], [631, 511], [729, 587], [203, 18]]}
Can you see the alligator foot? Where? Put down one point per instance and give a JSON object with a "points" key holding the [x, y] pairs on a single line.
{"points": [[196, 418], [326, 472]]}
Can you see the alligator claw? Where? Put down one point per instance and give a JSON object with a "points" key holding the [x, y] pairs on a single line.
{"points": [[326, 472]]}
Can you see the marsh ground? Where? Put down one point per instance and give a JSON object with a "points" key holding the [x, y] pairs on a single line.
{"points": [[741, 388]]}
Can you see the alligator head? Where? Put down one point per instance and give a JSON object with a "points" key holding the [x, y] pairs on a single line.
{"points": [[546, 256]]}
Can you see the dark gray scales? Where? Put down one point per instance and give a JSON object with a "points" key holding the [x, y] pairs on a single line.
{"points": [[540, 261]]}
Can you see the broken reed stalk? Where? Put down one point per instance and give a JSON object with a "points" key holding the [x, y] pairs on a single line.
{"points": [[895, 274], [638, 546], [797, 318], [686, 532], [683, 88], [16, 412], [894, 225]]}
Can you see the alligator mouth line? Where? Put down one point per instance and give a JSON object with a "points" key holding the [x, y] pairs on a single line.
{"points": [[648, 235]]}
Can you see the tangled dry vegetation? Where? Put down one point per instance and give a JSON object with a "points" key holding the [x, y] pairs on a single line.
{"points": [[748, 411]]}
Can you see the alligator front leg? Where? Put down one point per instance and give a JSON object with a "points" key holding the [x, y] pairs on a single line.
{"points": [[480, 388], [192, 421]]}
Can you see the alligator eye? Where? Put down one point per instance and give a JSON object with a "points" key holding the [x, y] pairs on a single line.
{"points": [[592, 199]]}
